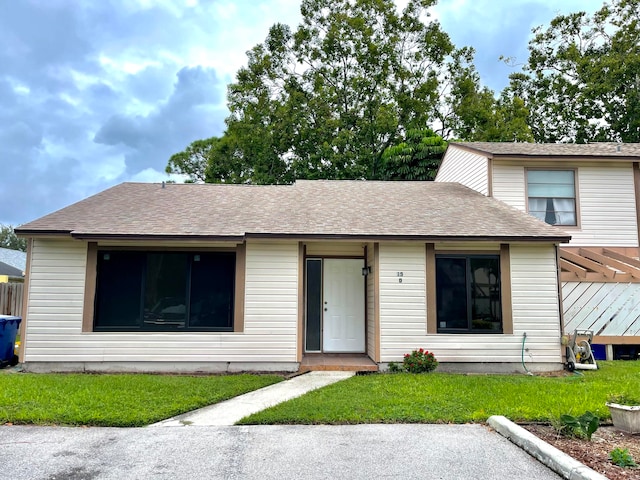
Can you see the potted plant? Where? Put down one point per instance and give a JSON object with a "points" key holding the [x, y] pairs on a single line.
{"points": [[625, 412]]}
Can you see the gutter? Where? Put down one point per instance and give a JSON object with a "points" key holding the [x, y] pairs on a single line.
{"points": [[298, 237]]}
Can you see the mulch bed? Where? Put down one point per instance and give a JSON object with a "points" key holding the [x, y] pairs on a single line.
{"points": [[594, 454]]}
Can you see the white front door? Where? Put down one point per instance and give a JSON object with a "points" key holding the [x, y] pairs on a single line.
{"points": [[343, 306]]}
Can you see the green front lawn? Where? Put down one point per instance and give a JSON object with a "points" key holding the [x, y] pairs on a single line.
{"points": [[450, 398], [114, 400]]}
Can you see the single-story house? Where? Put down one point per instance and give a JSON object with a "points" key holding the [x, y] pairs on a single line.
{"points": [[186, 277]]}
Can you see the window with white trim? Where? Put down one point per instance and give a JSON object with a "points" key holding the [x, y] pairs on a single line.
{"points": [[552, 196]]}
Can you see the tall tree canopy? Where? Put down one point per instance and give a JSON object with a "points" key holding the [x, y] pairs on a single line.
{"points": [[472, 113], [582, 79], [352, 93], [327, 100]]}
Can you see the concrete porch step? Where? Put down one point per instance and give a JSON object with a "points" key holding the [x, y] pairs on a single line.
{"points": [[340, 362]]}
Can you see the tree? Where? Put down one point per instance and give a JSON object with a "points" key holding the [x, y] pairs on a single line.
{"points": [[8, 239], [211, 160], [582, 79], [416, 158], [471, 112], [194, 160], [326, 100]]}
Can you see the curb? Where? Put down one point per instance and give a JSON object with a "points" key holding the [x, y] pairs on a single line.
{"points": [[558, 461]]}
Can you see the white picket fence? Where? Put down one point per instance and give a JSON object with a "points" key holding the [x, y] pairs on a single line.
{"points": [[11, 299]]}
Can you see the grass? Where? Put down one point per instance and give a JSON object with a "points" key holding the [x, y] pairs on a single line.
{"points": [[450, 398], [114, 400]]}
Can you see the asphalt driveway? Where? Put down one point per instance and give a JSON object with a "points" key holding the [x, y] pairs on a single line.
{"points": [[264, 452]]}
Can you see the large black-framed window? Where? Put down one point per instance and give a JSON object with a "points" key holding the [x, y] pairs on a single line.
{"points": [[468, 294], [164, 291]]}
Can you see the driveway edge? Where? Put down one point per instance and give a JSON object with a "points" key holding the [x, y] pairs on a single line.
{"points": [[558, 461]]}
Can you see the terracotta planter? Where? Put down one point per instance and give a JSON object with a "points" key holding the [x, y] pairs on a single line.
{"points": [[625, 417]]}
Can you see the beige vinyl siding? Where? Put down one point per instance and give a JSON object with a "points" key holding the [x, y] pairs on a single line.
{"points": [[466, 247], [509, 185], [335, 249], [54, 328], [469, 169], [607, 206], [535, 309], [403, 308], [606, 199], [56, 292]]}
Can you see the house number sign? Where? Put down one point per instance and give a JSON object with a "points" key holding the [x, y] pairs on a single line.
{"points": [[400, 275]]}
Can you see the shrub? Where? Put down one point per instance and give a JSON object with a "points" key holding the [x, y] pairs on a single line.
{"points": [[583, 426], [419, 361], [622, 458], [394, 367]]}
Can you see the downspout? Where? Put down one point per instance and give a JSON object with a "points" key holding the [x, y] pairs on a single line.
{"points": [[25, 300]]}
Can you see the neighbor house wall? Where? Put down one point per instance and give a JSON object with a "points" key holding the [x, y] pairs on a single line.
{"points": [[605, 196], [535, 309], [56, 296], [469, 169]]}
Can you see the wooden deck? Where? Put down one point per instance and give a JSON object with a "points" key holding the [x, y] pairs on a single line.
{"points": [[337, 362]]}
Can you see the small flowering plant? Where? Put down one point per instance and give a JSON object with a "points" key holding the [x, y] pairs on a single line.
{"points": [[419, 361]]}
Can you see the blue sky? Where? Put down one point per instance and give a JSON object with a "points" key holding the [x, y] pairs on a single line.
{"points": [[94, 93]]}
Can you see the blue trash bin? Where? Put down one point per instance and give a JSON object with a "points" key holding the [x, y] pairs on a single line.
{"points": [[8, 331], [599, 351]]}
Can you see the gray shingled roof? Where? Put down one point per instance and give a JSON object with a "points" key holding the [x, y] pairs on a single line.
{"points": [[596, 150], [10, 270], [14, 258], [350, 209]]}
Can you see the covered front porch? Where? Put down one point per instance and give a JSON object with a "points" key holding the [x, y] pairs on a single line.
{"points": [[337, 307]]}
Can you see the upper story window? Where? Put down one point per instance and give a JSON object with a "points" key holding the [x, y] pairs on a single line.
{"points": [[552, 196]]}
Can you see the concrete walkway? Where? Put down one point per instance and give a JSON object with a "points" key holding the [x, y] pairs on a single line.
{"points": [[234, 409]]}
